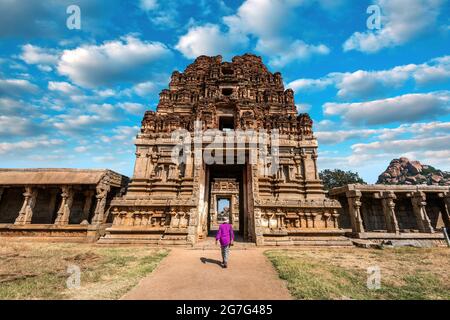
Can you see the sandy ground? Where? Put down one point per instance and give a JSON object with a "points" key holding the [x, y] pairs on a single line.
{"points": [[196, 274]]}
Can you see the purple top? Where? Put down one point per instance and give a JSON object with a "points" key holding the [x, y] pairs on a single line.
{"points": [[225, 234]]}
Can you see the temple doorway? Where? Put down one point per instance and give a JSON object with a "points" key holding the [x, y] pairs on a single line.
{"points": [[226, 194]]}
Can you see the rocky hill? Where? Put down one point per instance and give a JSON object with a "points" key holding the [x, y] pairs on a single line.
{"points": [[404, 171]]}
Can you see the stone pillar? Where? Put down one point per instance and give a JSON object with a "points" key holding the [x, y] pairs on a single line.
{"points": [[418, 200], [88, 194], [99, 215], [388, 205], [29, 202], [354, 205], [63, 214]]}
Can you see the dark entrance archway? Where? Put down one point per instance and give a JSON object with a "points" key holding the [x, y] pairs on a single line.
{"points": [[227, 182]]}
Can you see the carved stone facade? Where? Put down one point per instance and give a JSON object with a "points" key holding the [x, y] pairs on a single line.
{"points": [[381, 212], [171, 203], [57, 204]]}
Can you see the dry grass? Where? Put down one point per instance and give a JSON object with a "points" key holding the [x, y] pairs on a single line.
{"points": [[40, 270], [406, 273]]}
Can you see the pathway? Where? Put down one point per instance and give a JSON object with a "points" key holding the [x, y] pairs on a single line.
{"points": [[189, 274]]}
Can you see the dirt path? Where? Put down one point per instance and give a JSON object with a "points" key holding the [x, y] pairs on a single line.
{"points": [[195, 274]]}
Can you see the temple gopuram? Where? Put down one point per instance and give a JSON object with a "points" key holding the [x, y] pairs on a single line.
{"points": [[279, 201]]}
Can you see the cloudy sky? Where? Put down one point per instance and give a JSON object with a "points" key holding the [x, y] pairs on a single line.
{"points": [[75, 98]]}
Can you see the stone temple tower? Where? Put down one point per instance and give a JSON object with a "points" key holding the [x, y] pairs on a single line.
{"points": [[274, 200]]}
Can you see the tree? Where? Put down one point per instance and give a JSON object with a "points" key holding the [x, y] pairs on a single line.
{"points": [[338, 178]]}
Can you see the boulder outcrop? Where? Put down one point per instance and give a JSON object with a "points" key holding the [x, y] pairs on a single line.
{"points": [[403, 171]]}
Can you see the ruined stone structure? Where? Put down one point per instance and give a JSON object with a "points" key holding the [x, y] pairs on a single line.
{"points": [[273, 203], [383, 212], [57, 204]]}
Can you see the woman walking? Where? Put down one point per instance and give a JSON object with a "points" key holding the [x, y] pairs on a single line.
{"points": [[225, 236]]}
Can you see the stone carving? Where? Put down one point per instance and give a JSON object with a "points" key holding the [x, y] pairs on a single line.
{"points": [[26, 212], [102, 192], [63, 214], [418, 200], [354, 203]]}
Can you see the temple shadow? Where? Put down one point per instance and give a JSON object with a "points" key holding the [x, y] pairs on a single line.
{"points": [[213, 261]]}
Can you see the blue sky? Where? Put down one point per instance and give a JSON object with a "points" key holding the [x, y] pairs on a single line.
{"points": [[75, 98]]}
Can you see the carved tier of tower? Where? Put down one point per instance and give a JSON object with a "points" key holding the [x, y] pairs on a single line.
{"points": [[172, 202]]}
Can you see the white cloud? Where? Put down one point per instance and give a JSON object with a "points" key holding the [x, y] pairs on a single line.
{"points": [[16, 87], [435, 71], [12, 106], [418, 130], [105, 159], [303, 107], [28, 145], [87, 120], [81, 149], [311, 84], [126, 60], [285, 51], [339, 136], [63, 87], [133, 108], [125, 133], [43, 57], [405, 108], [266, 20], [148, 5], [402, 21], [263, 19], [145, 88], [209, 40], [11, 126], [403, 146], [107, 93], [364, 84]]}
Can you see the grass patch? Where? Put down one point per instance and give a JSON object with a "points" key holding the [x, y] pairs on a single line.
{"points": [[40, 270], [406, 273]]}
